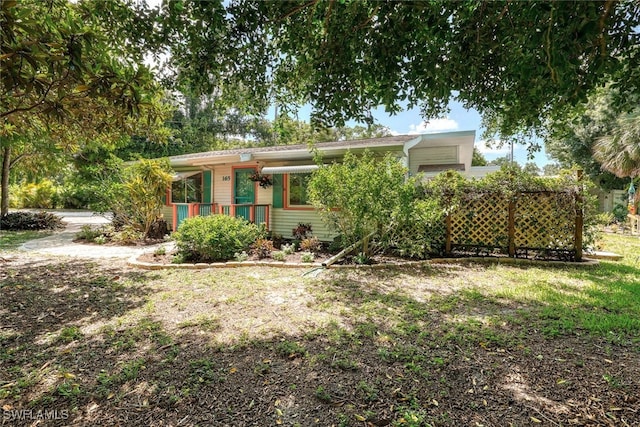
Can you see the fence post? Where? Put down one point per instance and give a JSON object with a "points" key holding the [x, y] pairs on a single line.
{"points": [[511, 228], [579, 207], [447, 239]]}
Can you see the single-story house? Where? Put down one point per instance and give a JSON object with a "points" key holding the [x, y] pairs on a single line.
{"points": [[227, 182]]}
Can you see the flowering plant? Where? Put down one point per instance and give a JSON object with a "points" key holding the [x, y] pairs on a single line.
{"points": [[263, 180]]}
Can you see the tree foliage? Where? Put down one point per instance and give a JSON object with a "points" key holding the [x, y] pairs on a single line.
{"points": [[478, 158], [369, 199], [619, 150], [517, 63], [64, 83], [572, 138], [137, 200]]}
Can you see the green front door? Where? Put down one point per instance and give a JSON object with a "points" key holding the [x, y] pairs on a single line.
{"points": [[243, 192]]}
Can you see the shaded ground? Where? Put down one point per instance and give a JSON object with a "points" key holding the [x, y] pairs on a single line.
{"points": [[97, 343]]}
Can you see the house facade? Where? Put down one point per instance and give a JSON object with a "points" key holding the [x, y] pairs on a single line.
{"points": [[227, 182]]}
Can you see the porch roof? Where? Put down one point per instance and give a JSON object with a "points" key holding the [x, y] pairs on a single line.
{"points": [[289, 169], [288, 152], [333, 149]]}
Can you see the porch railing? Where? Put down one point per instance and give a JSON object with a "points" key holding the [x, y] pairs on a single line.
{"points": [[182, 211], [254, 213], [258, 214]]}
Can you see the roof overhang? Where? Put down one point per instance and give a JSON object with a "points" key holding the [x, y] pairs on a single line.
{"points": [[329, 150], [440, 139], [289, 169], [179, 176]]}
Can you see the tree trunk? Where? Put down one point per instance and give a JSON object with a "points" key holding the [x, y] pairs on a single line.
{"points": [[4, 198]]}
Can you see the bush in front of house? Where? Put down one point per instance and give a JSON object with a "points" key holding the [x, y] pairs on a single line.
{"points": [[214, 238], [138, 197], [30, 221], [379, 206], [40, 195], [419, 231]]}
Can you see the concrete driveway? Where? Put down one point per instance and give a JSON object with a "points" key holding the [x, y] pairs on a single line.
{"points": [[61, 242]]}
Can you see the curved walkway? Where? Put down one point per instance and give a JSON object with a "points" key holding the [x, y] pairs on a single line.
{"points": [[61, 242]]}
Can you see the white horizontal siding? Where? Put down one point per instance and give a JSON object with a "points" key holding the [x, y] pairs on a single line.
{"points": [[167, 214], [283, 221], [431, 156], [264, 196], [222, 190]]}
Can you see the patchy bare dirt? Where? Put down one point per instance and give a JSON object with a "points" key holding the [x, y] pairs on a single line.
{"points": [[103, 344], [296, 257]]}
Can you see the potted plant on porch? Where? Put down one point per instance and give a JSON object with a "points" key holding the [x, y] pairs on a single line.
{"points": [[263, 180]]}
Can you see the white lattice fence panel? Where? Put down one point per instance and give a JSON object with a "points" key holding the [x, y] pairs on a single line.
{"points": [[545, 220], [482, 221]]}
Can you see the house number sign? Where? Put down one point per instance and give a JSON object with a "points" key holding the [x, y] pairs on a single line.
{"points": [[226, 177]]}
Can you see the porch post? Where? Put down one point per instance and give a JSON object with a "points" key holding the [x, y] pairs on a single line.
{"points": [[175, 216]]}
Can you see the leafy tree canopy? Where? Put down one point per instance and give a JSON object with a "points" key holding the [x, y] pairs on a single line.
{"points": [[572, 137], [619, 150], [478, 158], [65, 85], [517, 63]]}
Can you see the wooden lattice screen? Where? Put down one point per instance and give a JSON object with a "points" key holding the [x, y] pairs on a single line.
{"points": [[542, 224]]}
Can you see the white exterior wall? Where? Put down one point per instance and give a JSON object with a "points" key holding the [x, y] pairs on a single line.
{"points": [[167, 214], [432, 156], [284, 220], [264, 196], [222, 190], [607, 201]]}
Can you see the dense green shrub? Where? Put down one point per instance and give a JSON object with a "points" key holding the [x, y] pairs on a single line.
{"points": [[41, 195], [136, 201], [368, 192], [89, 233], [420, 230], [620, 213], [30, 221], [81, 196], [215, 237]]}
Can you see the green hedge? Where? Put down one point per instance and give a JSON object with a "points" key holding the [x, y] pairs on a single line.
{"points": [[214, 238]]}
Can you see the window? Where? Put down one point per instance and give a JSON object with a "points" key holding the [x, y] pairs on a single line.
{"points": [[298, 189], [187, 190]]}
